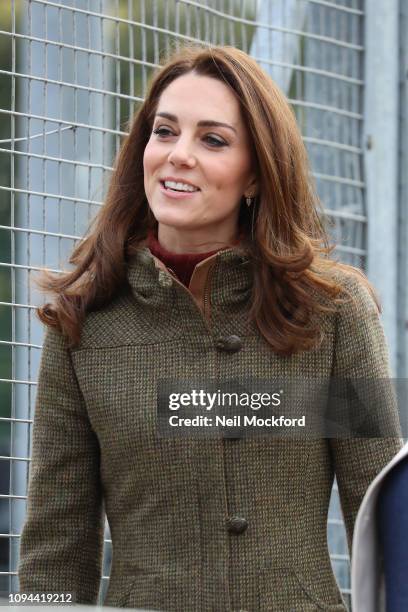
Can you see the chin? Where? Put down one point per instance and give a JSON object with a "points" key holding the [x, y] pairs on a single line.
{"points": [[177, 221], [172, 216]]}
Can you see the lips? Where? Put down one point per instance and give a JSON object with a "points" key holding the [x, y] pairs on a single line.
{"points": [[177, 195], [178, 180]]}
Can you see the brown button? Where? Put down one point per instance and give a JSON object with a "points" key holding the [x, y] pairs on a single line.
{"points": [[229, 343], [237, 524]]}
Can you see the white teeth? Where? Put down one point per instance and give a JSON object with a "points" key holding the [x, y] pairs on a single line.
{"points": [[180, 186]]}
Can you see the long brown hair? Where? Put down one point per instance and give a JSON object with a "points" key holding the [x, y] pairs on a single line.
{"points": [[284, 233]]}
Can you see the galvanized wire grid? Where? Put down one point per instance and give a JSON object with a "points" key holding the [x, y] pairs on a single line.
{"points": [[72, 73]]}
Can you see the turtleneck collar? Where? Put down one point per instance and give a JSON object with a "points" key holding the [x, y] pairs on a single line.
{"points": [[182, 264]]}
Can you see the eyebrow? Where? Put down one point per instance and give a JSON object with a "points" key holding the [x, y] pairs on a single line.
{"points": [[203, 123]]}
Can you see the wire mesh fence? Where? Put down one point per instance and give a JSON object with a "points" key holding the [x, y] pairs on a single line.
{"points": [[72, 74]]}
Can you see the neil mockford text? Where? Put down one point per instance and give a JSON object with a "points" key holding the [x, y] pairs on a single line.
{"points": [[236, 421]]}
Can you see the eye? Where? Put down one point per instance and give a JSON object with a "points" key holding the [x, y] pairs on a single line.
{"points": [[162, 131], [215, 142], [212, 141]]}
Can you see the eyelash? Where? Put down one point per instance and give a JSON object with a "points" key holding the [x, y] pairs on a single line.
{"points": [[216, 142]]}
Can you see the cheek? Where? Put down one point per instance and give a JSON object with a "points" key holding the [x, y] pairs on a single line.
{"points": [[150, 158], [231, 173]]}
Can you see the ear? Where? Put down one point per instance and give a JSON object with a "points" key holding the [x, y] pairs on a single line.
{"points": [[251, 189]]}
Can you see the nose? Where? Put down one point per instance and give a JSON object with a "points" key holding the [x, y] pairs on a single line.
{"points": [[181, 154]]}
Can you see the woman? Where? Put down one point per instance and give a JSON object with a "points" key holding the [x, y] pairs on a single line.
{"points": [[207, 260]]}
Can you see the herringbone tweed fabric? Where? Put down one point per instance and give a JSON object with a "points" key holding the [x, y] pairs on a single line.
{"points": [[168, 500]]}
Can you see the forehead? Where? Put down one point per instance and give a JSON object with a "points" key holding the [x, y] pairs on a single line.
{"points": [[203, 97]]}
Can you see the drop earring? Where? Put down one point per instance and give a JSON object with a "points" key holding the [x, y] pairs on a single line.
{"points": [[248, 200]]}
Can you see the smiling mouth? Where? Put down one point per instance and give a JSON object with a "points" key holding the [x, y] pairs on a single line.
{"points": [[179, 190]]}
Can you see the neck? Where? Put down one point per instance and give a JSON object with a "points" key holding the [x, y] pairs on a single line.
{"points": [[179, 242]]}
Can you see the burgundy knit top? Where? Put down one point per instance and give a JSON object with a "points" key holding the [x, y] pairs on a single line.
{"points": [[182, 264]]}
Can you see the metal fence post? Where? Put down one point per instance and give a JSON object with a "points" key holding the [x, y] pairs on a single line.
{"points": [[380, 135]]}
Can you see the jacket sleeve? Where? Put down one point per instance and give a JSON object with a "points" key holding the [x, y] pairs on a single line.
{"points": [[361, 357], [62, 538]]}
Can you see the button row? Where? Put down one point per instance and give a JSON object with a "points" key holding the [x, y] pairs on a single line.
{"points": [[231, 344]]}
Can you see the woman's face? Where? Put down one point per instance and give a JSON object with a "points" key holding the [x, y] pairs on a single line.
{"points": [[198, 139]]}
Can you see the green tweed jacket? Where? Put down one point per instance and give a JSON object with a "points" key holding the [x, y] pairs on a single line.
{"points": [[219, 525]]}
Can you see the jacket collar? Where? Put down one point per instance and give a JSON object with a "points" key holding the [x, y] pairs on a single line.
{"points": [[221, 279]]}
